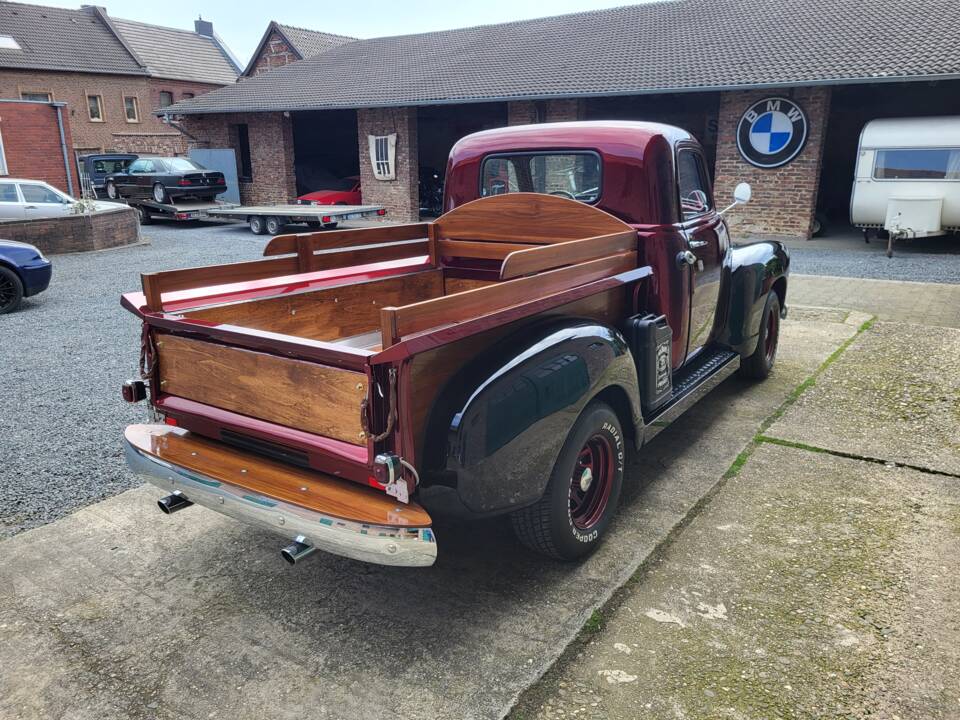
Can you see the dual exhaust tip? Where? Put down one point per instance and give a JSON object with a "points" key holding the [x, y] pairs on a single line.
{"points": [[292, 553]]}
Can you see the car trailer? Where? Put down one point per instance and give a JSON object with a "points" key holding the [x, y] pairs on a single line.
{"points": [[271, 219], [195, 210]]}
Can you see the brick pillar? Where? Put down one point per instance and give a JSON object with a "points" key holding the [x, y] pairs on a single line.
{"points": [[271, 159], [784, 198], [401, 196], [527, 112]]}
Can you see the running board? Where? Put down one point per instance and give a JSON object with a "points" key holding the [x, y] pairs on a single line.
{"points": [[690, 386]]}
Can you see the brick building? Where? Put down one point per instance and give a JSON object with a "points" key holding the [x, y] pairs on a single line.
{"points": [[36, 142], [284, 44], [110, 74], [775, 90]]}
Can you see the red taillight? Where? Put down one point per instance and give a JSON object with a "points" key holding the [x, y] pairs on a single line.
{"points": [[184, 181], [325, 219], [182, 216], [171, 421], [134, 391], [382, 212]]}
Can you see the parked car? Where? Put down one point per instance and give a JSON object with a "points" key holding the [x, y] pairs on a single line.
{"points": [[163, 179], [24, 271], [906, 178], [96, 168], [345, 191], [31, 199], [505, 358]]}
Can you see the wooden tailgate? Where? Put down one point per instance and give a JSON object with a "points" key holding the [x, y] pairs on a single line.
{"points": [[299, 394]]}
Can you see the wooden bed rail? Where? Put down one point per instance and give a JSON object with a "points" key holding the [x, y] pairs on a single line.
{"points": [[331, 239], [397, 322], [546, 257], [157, 283]]}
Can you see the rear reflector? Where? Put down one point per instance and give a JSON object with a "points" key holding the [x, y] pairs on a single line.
{"points": [[170, 421], [184, 181], [182, 216], [325, 219], [382, 211]]}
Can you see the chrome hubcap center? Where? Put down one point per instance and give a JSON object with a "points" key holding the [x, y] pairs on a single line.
{"points": [[586, 478]]}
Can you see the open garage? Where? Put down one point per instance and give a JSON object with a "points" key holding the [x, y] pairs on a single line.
{"points": [[324, 149]]}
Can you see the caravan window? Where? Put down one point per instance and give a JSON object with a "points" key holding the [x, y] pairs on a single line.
{"points": [[918, 164]]}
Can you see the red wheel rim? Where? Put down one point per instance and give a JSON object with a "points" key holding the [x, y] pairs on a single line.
{"points": [[591, 482], [770, 342]]}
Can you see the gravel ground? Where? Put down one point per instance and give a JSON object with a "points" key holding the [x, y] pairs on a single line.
{"points": [[63, 358], [934, 260]]}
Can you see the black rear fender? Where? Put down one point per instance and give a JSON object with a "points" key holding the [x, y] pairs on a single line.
{"points": [[754, 271], [512, 410]]}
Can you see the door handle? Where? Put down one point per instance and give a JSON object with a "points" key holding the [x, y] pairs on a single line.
{"points": [[697, 243], [686, 258]]}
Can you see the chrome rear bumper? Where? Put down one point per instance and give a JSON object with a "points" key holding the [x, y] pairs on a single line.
{"points": [[384, 545]]}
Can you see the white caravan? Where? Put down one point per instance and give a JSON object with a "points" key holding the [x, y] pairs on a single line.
{"points": [[908, 177]]}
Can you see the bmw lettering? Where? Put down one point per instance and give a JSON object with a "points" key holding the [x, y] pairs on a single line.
{"points": [[771, 132]]}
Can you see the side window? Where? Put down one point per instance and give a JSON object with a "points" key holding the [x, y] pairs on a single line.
{"points": [[142, 166], [8, 193], [693, 185], [39, 194]]}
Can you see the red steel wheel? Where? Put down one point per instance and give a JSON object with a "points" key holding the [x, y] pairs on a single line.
{"points": [[758, 365], [591, 482]]}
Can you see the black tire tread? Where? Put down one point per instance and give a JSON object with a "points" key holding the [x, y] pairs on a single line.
{"points": [[755, 367], [18, 284], [532, 528]]}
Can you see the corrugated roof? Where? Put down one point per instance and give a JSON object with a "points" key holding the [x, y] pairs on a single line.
{"points": [[64, 40], [178, 54], [657, 47], [310, 42]]}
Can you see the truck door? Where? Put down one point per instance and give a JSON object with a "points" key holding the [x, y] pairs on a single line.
{"points": [[707, 244]]}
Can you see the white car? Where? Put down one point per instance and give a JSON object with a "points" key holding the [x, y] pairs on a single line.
{"points": [[29, 199]]}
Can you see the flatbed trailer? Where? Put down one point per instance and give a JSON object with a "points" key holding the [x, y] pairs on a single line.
{"points": [[186, 210], [272, 219]]}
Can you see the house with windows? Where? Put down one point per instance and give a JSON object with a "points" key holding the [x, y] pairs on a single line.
{"points": [[107, 75]]}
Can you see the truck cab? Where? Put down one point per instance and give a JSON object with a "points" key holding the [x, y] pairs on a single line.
{"points": [[577, 295]]}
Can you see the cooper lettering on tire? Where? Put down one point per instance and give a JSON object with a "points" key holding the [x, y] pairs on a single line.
{"points": [[771, 132]]}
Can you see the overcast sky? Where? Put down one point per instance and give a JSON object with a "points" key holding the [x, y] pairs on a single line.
{"points": [[240, 23]]}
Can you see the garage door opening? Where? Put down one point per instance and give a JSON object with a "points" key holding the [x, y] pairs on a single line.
{"points": [[439, 127], [852, 107], [325, 150]]}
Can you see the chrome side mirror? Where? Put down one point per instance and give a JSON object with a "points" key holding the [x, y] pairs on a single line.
{"points": [[741, 194]]}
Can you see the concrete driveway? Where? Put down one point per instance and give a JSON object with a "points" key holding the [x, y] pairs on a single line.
{"points": [[118, 611]]}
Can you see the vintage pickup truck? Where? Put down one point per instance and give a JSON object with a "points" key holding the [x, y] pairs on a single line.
{"points": [[579, 293]]}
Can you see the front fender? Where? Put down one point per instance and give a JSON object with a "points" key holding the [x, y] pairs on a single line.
{"points": [[753, 271], [504, 439]]}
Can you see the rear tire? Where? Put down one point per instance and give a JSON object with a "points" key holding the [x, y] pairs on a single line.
{"points": [[273, 225], [145, 217], [759, 365], [257, 225], [160, 193], [581, 498], [11, 290]]}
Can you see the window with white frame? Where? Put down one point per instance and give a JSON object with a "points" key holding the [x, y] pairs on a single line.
{"points": [[383, 156], [95, 108], [35, 95], [3, 157], [132, 108]]}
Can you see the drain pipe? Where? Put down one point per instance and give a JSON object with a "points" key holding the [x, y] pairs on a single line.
{"points": [[63, 147]]}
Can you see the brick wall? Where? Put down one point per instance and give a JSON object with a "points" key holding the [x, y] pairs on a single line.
{"points": [[784, 198], [114, 133], [271, 151], [31, 143], [276, 53], [527, 112], [77, 233], [401, 197]]}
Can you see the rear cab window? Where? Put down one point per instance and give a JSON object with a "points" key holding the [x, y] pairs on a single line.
{"points": [[574, 175], [693, 185]]}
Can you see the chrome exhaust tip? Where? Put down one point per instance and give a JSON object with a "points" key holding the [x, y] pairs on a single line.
{"points": [[297, 550], [171, 503]]}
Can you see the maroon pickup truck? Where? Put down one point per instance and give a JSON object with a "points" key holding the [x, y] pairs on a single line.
{"points": [[577, 295]]}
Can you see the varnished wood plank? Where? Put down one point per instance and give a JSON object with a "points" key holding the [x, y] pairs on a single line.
{"points": [[527, 218], [474, 303], [389, 334], [547, 257], [329, 313], [303, 395], [307, 488], [152, 291], [453, 285], [481, 250], [331, 239]]}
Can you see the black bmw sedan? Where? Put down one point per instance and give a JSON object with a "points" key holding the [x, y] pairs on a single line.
{"points": [[163, 179]]}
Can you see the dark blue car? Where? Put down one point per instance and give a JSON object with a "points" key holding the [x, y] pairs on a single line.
{"points": [[24, 271]]}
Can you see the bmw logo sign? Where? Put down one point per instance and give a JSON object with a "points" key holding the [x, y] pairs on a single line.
{"points": [[771, 132]]}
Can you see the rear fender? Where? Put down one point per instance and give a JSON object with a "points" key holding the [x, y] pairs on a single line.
{"points": [[754, 270], [503, 440]]}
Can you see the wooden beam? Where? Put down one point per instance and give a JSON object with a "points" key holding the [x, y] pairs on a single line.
{"points": [[332, 239], [547, 257], [450, 309]]}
